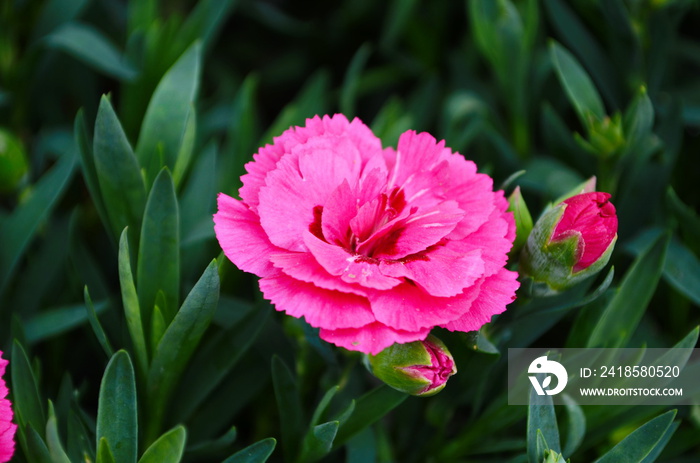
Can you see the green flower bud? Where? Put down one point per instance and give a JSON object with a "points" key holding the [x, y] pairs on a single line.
{"points": [[419, 368]]}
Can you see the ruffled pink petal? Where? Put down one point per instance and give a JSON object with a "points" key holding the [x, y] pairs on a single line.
{"points": [[350, 268], [322, 308], [494, 238], [410, 308], [303, 266], [263, 162], [415, 152], [242, 238], [494, 294], [372, 338], [477, 201], [443, 271], [7, 427], [299, 185]]}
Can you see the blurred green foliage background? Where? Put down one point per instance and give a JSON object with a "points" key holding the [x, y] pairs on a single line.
{"points": [[116, 337]]}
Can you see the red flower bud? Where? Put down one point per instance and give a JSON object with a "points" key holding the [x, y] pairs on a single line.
{"points": [[571, 241], [592, 217]]}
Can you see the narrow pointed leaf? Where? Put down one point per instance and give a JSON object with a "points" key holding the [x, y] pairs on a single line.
{"points": [[118, 172], [622, 314], [117, 419], [637, 446], [58, 455], [96, 325], [87, 163], [541, 419], [577, 425], [26, 401], [88, 45], [132, 310], [319, 441], [159, 248], [168, 448], [18, 229], [256, 453], [179, 342], [582, 93], [367, 410], [288, 406], [165, 123], [37, 451]]}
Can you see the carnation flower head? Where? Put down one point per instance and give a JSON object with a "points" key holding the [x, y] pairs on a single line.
{"points": [[372, 245], [7, 427]]}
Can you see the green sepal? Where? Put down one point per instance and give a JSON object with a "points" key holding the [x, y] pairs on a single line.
{"points": [[523, 219]]}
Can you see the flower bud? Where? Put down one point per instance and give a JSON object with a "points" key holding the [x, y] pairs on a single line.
{"points": [[419, 368], [571, 241]]}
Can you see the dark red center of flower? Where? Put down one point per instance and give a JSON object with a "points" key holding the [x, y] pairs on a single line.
{"points": [[364, 242]]}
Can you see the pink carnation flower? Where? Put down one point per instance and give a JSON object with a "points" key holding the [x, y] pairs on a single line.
{"points": [[7, 427], [373, 246]]}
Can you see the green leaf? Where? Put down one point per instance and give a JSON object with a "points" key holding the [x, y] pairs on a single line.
{"points": [[318, 441], [159, 249], [54, 321], [661, 444], [622, 314], [198, 199], [166, 121], [18, 229], [58, 455], [682, 270], [104, 452], [95, 324], [55, 13], [288, 406], [117, 413], [541, 419], [206, 19], [581, 91], [36, 450], [323, 405], [637, 446], [577, 425], [118, 172], [217, 358], [132, 310], [348, 94], [178, 344], [578, 39], [639, 118], [87, 163], [26, 401], [88, 45], [259, 452], [168, 448], [184, 155], [368, 409]]}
